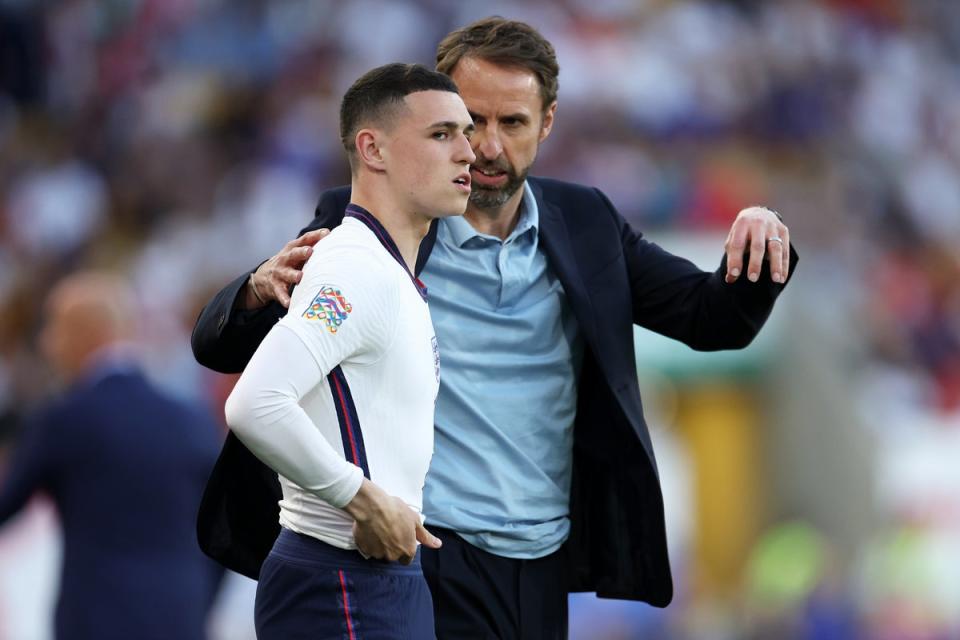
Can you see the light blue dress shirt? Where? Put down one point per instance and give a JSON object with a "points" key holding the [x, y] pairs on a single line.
{"points": [[510, 354]]}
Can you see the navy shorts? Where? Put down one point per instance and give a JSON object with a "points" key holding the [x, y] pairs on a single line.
{"points": [[309, 589]]}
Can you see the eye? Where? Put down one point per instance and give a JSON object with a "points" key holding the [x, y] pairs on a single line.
{"points": [[441, 135]]}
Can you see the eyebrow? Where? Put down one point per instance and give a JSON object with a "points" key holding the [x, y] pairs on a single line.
{"points": [[523, 117], [452, 126]]}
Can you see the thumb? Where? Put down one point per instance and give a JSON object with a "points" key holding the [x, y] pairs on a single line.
{"points": [[427, 539]]}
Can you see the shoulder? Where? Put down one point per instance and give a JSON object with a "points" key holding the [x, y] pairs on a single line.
{"points": [[349, 243], [561, 190], [348, 265], [351, 248], [577, 202]]}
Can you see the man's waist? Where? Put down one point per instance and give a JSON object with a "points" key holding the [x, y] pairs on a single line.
{"points": [[523, 540], [308, 550]]}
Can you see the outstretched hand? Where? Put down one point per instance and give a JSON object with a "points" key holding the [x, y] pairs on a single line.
{"points": [[273, 279], [761, 232]]}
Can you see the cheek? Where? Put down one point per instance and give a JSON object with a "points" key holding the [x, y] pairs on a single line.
{"points": [[425, 169], [521, 151]]}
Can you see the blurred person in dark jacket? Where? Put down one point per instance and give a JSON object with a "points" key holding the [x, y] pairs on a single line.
{"points": [[125, 466]]}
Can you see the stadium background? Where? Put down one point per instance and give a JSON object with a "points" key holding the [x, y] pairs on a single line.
{"points": [[811, 480]]}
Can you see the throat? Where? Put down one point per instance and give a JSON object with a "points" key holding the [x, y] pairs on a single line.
{"points": [[499, 223]]}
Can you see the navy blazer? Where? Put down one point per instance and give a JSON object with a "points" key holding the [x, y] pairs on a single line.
{"points": [[614, 278], [125, 467]]}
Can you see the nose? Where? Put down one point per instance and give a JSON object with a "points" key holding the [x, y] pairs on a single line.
{"points": [[487, 143], [464, 151]]}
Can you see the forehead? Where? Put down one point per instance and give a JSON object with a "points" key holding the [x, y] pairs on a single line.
{"points": [[425, 108], [489, 88]]}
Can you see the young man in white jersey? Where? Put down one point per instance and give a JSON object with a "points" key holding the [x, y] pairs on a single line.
{"points": [[339, 397]]}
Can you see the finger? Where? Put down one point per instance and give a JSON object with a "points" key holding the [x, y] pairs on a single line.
{"points": [[736, 242], [285, 276], [294, 256], [785, 234], [757, 251], [427, 539], [297, 256], [310, 238], [281, 296], [775, 257]]}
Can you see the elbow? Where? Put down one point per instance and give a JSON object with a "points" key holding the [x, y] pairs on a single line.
{"points": [[240, 411], [251, 409], [743, 340], [236, 412], [734, 338]]}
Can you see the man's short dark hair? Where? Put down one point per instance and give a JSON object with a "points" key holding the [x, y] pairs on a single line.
{"points": [[377, 95], [507, 42]]}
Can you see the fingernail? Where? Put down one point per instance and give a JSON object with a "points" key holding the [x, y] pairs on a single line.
{"points": [[753, 277], [735, 272], [777, 278]]}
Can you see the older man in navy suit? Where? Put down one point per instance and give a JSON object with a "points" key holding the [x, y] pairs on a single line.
{"points": [[125, 466], [543, 479]]}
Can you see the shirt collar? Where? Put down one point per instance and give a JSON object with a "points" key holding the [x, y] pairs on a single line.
{"points": [[462, 231], [370, 221]]}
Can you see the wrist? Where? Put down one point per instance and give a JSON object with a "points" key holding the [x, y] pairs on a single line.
{"points": [[363, 505], [252, 297]]}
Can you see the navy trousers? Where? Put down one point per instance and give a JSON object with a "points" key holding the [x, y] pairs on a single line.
{"points": [[309, 589]]}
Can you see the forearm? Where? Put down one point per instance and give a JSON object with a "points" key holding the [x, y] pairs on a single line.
{"points": [[226, 336], [675, 298], [264, 412]]}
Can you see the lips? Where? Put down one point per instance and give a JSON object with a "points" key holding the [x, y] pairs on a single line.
{"points": [[463, 182], [489, 177]]}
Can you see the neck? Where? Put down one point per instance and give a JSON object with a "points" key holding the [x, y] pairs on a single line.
{"points": [[118, 353], [500, 221], [407, 228]]}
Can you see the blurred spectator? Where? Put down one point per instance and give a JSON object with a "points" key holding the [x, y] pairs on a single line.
{"points": [[125, 467]]}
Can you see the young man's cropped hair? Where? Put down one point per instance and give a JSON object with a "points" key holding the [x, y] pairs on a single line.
{"points": [[377, 96]]}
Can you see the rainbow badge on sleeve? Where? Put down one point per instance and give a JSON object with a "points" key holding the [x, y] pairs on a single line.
{"points": [[330, 307]]}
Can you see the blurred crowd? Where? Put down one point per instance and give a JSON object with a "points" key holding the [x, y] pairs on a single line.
{"points": [[181, 141]]}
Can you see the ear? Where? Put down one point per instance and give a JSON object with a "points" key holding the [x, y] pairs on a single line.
{"points": [[547, 123], [369, 150]]}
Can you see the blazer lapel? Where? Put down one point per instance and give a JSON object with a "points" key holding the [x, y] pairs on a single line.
{"points": [[560, 252]]}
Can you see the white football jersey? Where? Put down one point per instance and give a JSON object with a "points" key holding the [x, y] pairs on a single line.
{"points": [[362, 318]]}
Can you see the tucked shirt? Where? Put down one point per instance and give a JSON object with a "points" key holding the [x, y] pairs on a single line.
{"points": [[511, 353]]}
